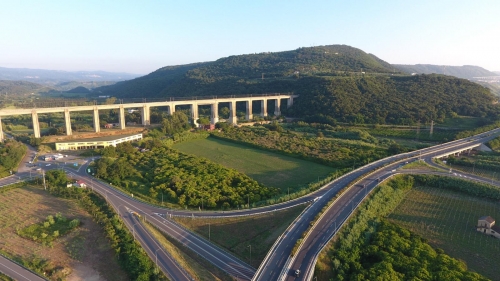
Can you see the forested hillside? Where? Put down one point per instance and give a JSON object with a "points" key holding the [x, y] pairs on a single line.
{"points": [[394, 100], [15, 88], [465, 71], [243, 74]]}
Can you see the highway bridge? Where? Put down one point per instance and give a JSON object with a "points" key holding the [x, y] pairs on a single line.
{"points": [[278, 264], [145, 109]]}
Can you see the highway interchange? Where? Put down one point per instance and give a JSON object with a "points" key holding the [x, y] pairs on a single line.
{"points": [[278, 264]]}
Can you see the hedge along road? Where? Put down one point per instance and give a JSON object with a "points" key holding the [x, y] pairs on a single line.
{"points": [[230, 263]]}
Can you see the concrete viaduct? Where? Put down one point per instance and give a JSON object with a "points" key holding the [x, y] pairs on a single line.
{"points": [[145, 110]]}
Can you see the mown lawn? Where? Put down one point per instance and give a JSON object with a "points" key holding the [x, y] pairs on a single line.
{"points": [[447, 220], [270, 169]]}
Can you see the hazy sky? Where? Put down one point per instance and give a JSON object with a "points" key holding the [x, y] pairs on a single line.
{"points": [[142, 36]]}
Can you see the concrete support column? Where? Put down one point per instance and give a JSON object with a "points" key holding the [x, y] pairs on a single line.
{"points": [[249, 113], [290, 102], [232, 113], [171, 109], [145, 112], [263, 108], [277, 105], [121, 117], [36, 125], [194, 113], [67, 122], [214, 116], [1, 130], [97, 123]]}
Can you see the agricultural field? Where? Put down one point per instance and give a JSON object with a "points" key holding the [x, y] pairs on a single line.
{"points": [[270, 169], [447, 220], [84, 253], [239, 234]]}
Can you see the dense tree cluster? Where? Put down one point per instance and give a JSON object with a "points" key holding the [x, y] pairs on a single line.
{"points": [[179, 178], [339, 153], [394, 253], [11, 153], [175, 123], [494, 144]]}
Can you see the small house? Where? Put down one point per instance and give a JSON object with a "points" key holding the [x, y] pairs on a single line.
{"points": [[80, 183], [209, 127], [487, 226]]}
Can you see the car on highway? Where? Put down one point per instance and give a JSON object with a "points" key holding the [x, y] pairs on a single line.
{"points": [[47, 165], [297, 273]]}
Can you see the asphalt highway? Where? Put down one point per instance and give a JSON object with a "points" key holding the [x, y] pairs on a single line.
{"points": [[281, 266], [17, 272], [278, 265]]}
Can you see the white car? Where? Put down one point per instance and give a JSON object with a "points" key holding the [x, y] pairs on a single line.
{"points": [[48, 165]]}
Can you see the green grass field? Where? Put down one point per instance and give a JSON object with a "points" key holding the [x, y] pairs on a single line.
{"points": [[268, 168], [237, 234], [447, 220]]}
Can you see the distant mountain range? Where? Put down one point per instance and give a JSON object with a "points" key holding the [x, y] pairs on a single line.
{"points": [[54, 77], [465, 71]]}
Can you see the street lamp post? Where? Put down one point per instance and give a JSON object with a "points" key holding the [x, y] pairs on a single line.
{"points": [[156, 256], [133, 230], [250, 246]]}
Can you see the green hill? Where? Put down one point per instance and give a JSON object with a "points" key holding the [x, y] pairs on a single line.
{"points": [[243, 74], [18, 88]]}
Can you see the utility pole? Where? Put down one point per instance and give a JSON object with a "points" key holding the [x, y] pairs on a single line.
{"points": [[208, 231], [432, 127], [418, 129]]}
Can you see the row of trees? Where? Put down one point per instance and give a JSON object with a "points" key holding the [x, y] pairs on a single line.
{"points": [[164, 173], [339, 153]]}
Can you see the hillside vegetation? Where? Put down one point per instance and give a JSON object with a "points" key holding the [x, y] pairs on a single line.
{"points": [[393, 100], [243, 74]]}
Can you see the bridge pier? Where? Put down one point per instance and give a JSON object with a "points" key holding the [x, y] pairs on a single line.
{"points": [[97, 124], [36, 125], [232, 113], [194, 113], [263, 108], [121, 117], [214, 110], [1, 130], [67, 122], [171, 109], [249, 114], [145, 112], [277, 105], [290, 102]]}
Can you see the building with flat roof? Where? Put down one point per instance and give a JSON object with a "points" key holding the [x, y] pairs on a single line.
{"points": [[96, 142]]}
